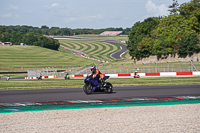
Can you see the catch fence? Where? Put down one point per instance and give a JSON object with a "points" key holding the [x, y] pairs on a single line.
{"points": [[77, 69], [141, 68], [47, 71]]}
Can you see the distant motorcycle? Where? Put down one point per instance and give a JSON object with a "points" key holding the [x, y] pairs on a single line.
{"points": [[67, 76], [93, 85], [40, 78], [136, 75], [8, 77]]}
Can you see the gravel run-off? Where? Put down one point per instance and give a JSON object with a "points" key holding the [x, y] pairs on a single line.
{"points": [[153, 119]]}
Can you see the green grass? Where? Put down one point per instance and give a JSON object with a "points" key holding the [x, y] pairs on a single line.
{"points": [[98, 50], [13, 75], [126, 55], [13, 58], [35, 84]]}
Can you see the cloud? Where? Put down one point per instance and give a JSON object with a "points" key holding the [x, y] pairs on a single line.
{"points": [[98, 16], [17, 16], [11, 7], [155, 10], [7, 15], [79, 18], [70, 19], [55, 5]]}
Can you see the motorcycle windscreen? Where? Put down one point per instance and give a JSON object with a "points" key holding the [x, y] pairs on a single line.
{"points": [[106, 77]]}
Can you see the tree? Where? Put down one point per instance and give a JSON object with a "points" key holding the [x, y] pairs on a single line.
{"points": [[177, 33], [30, 38], [188, 44], [173, 7], [139, 31], [44, 27], [191, 12], [16, 37], [145, 47], [161, 47], [173, 25]]}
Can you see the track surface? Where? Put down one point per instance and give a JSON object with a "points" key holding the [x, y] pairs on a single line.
{"points": [[117, 55], [44, 95]]}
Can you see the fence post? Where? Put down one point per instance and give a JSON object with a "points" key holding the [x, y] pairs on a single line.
{"points": [[72, 70], [168, 66], [122, 69], [155, 67], [192, 65], [47, 70], [143, 67], [179, 66]]}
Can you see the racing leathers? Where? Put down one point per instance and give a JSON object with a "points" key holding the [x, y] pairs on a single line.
{"points": [[99, 75]]}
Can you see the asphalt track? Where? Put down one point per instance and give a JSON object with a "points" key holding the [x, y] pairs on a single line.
{"points": [[117, 55], [64, 94]]}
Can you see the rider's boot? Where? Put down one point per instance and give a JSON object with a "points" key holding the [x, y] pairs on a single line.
{"points": [[101, 84], [101, 87]]}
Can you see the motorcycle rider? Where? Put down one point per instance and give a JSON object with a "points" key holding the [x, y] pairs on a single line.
{"points": [[8, 77], [98, 74], [136, 75]]}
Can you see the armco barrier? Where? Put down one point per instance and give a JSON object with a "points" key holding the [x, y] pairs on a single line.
{"points": [[160, 74], [129, 75], [44, 77]]}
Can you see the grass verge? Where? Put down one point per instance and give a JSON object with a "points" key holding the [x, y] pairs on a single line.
{"points": [[35, 84], [23, 58]]}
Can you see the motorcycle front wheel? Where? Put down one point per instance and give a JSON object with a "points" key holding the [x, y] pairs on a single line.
{"points": [[88, 89]]}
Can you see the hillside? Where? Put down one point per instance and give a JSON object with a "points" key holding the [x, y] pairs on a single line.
{"points": [[13, 58], [93, 49]]}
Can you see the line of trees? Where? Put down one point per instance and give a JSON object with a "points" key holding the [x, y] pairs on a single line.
{"points": [[35, 36], [30, 38], [178, 33], [45, 30]]}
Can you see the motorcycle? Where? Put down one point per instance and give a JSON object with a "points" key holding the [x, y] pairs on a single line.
{"points": [[66, 76], [136, 75], [8, 77], [92, 85], [40, 78]]}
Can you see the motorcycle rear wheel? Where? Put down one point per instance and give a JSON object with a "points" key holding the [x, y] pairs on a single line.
{"points": [[88, 89], [109, 88]]}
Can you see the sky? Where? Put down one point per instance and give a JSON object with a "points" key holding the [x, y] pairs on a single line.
{"points": [[95, 14]]}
